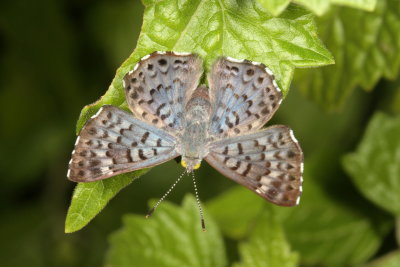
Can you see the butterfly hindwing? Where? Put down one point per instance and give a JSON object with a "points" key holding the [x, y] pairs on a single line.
{"points": [[114, 142], [160, 85], [244, 96], [268, 162]]}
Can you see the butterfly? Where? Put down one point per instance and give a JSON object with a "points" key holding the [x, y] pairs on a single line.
{"points": [[175, 116]]}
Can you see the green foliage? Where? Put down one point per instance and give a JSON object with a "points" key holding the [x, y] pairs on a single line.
{"points": [[90, 198], [335, 226], [318, 226], [171, 237], [319, 7], [374, 167], [267, 246], [365, 47]]}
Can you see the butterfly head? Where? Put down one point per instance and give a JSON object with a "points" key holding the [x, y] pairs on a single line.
{"points": [[190, 164]]}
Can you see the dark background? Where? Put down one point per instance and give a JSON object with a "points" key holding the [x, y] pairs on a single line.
{"points": [[56, 57]]}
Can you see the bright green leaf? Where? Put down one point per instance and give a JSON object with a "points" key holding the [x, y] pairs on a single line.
{"points": [[365, 46], [328, 232], [90, 198], [375, 167], [171, 237], [235, 210], [267, 246], [276, 7], [319, 7], [368, 5], [390, 260]]}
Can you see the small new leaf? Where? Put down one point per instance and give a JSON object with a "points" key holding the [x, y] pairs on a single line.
{"points": [[318, 7], [276, 7]]}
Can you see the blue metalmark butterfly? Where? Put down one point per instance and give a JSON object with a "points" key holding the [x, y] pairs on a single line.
{"points": [[174, 115]]}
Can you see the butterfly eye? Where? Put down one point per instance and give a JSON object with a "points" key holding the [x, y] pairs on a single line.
{"points": [[183, 163], [196, 166]]}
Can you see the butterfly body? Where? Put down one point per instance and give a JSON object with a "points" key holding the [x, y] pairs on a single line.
{"points": [[175, 116], [195, 138]]}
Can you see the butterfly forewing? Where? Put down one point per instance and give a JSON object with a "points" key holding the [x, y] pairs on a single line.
{"points": [[244, 96], [114, 142], [158, 88], [269, 162]]}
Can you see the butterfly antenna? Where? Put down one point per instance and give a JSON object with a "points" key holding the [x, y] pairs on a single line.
{"points": [[165, 195], [203, 225]]}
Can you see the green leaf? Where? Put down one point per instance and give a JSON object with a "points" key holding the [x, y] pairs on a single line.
{"points": [[318, 226], [276, 7], [365, 46], [235, 211], [319, 7], [328, 232], [90, 198], [374, 167], [390, 260], [171, 237], [267, 246], [368, 5]]}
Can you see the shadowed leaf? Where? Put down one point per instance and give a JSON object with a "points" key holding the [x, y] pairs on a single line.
{"points": [[374, 167], [365, 46]]}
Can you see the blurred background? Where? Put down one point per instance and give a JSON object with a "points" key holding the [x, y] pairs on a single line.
{"points": [[56, 57]]}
